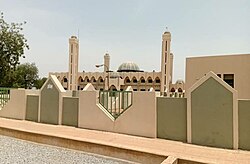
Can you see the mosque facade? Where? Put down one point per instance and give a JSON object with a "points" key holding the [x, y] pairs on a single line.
{"points": [[128, 73]]}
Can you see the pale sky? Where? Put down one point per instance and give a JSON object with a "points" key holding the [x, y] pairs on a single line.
{"points": [[129, 30]]}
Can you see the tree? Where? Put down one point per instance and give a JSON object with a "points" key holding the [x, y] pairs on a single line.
{"points": [[25, 75], [12, 46], [39, 82]]}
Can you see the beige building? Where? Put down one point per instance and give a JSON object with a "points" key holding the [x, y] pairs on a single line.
{"points": [[233, 69], [128, 73]]}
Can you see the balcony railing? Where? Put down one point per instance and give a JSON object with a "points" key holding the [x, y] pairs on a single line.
{"points": [[173, 94], [116, 102], [4, 96]]}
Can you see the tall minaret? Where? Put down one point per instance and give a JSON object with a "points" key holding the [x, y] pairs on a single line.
{"points": [[73, 62], [106, 68], [165, 62]]}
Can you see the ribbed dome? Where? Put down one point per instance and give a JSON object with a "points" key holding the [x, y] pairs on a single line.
{"points": [[128, 67]]}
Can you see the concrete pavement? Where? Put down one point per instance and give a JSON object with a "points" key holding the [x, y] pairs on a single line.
{"points": [[132, 147]]}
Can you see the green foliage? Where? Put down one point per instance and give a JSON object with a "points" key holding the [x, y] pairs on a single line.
{"points": [[39, 82], [25, 75], [12, 46]]}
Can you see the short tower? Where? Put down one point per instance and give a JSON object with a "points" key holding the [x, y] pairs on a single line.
{"points": [[166, 62], [73, 63], [106, 62]]}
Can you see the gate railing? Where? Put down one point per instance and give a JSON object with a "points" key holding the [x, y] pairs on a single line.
{"points": [[4, 96], [116, 102]]}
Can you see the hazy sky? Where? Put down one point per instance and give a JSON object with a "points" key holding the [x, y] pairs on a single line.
{"points": [[130, 30]]}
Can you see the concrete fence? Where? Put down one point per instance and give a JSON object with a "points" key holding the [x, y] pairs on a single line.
{"points": [[209, 115]]}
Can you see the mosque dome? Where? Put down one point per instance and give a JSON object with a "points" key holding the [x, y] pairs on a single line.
{"points": [[114, 75], [128, 67]]}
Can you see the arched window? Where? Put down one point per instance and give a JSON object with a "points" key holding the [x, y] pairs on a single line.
{"points": [[134, 80], [179, 90], [157, 80], [65, 80], [86, 79], [112, 88], [127, 80], [172, 90], [142, 80], [150, 80], [93, 80], [100, 79], [80, 79]]}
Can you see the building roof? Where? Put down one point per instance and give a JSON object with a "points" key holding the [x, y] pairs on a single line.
{"points": [[129, 67]]}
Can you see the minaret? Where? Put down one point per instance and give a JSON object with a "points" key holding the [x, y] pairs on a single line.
{"points": [[106, 69], [165, 62], [106, 62], [73, 62]]}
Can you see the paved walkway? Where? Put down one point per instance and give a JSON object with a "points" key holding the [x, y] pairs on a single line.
{"points": [[153, 146]]}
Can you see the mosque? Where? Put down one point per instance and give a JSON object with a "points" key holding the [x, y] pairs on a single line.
{"points": [[128, 73]]}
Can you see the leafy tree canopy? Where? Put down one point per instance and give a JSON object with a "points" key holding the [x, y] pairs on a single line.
{"points": [[25, 75], [39, 82], [12, 46]]}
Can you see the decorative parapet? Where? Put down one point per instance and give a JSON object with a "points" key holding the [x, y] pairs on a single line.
{"points": [[175, 94]]}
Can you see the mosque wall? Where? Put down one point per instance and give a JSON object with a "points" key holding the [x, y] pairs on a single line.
{"points": [[140, 81]]}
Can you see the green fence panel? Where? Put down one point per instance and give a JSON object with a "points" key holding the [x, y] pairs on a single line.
{"points": [[4, 96], [115, 102]]}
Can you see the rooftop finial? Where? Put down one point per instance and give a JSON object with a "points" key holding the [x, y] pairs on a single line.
{"points": [[167, 29], [78, 32], [166, 32]]}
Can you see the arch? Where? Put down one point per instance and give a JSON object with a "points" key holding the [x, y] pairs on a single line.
{"points": [[100, 80], [126, 80], [172, 90], [142, 80], [112, 88], [157, 80], [64, 82], [64, 79], [149, 80], [93, 80], [80, 80], [180, 90], [86, 79], [134, 80]]}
